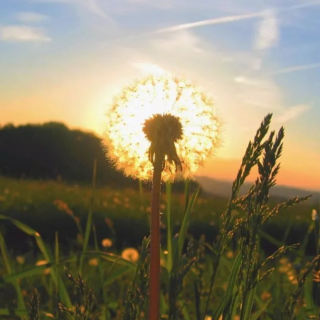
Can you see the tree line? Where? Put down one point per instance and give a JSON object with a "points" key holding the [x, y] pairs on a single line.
{"points": [[53, 151]]}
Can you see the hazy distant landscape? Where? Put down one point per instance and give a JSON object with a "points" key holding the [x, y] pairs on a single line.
{"points": [[222, 188]]}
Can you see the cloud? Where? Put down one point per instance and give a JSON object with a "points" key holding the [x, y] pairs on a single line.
{"points": [[93, 6], [306, 5], [263, 93], [31, 17], [183, 41], [148, 68], [268, 31], [291, 113], [21, 33], [297, 68]]}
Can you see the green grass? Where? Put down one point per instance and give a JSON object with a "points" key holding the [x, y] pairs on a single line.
{"points": [[227, 272], [49, 206], [35, 203]]}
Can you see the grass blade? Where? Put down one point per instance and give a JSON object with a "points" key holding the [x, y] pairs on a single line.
{"points": [[185, 222], [41, 245], [169, 226], [3, 249], [256, 315], [247, 307], [90, 215], [229, 294]]}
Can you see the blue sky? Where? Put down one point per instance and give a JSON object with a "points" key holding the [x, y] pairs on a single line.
{"points": [[63, 60]]}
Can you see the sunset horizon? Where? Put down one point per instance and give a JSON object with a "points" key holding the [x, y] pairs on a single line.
{"points": [[65, 60]]}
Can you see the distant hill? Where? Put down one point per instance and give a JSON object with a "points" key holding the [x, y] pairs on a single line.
{"points": [[52, 151], [223, 188]]}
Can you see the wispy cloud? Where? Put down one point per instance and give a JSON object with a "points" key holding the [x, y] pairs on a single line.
{"points": [[306, 5], [31, 17], [21, 33], [94, 7], [292, 113], [181, 41], [148, 68], [268, 31], [297, 68], [263, 93], [91, 6], [202, 23]]}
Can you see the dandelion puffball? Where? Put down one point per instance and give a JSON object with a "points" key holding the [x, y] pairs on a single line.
{"points": [[190, 119]]}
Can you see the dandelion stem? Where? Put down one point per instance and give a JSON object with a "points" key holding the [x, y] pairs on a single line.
{"points": [[154, 290]]}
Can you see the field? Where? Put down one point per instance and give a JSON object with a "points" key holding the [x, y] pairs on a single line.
{"points": [[51, 233]]}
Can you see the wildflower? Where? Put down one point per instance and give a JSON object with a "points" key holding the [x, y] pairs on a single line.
{"points": [[265, 295], [106, 243], [314, 215], [20, 259], [41, 263], [163, 263], [93, 262], [283, 269], [161, 112], [130, 254], [230, 254]]}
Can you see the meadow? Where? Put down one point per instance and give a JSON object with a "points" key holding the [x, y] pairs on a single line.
{"points": [[83, 252], [59, 213]]}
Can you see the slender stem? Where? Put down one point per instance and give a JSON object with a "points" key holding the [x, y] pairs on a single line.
{"points": [[154, 290], [186, 194], [169, 226]]}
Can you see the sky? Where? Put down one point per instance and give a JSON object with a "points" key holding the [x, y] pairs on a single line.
{"points": [[64, 60]]}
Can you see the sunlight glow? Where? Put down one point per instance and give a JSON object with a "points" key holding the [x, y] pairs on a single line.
{"points": [[125, 143]]}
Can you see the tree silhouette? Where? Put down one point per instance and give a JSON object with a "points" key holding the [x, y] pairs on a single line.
{"points": [[53, 151]]}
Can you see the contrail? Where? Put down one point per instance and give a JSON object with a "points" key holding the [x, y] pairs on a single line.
{"points": [[297, 68], [210, 22], [228, 19]]}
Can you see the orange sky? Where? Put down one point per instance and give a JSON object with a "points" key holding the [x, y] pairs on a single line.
{"points": [[221, 168], [65, 60]]}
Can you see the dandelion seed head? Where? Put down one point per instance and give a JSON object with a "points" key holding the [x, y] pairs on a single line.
{"points": [[190, 121]]}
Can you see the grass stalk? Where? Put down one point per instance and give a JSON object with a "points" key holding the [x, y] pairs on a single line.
{"points": [[154, 288], [6, 259], [169, 226], [90, 216]]}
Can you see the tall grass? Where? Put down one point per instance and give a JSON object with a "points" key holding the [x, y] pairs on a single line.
{"points": [[229, 278]]}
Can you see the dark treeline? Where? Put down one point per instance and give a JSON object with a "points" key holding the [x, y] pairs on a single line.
{"points": [[53, 151]]}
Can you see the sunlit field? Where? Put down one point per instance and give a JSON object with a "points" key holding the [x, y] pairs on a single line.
{"points": [[59, 213]]}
